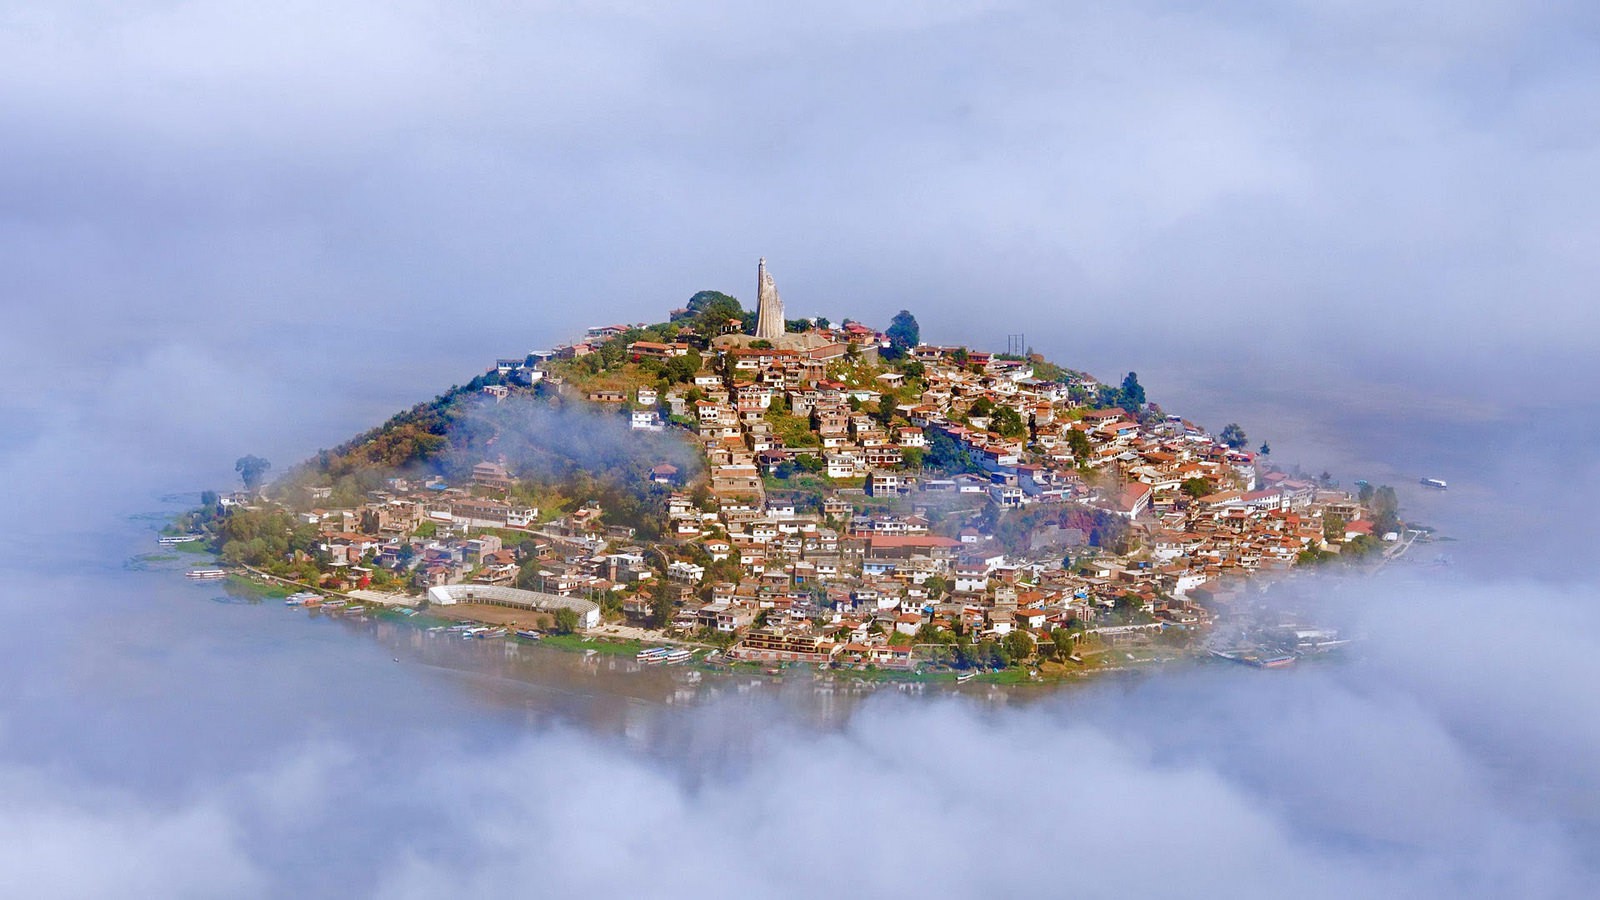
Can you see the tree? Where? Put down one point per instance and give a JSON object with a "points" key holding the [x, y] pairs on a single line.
{"points": [[710, 310], [1129, 606], [1266, 449], [886, 410], [566, 621], [994, 654], [1132, 393], [252, 469], [612, 353], [1195, 487], [1008, 422], [1385, 508], [945, 455], [682, 368], [1078, 443], [1233, 435], [1018, 645], [1062, 638], [660, 607], [903, 333]]}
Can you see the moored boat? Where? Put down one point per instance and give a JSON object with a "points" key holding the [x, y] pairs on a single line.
{"points": [[171, 539], [1260, 660]]}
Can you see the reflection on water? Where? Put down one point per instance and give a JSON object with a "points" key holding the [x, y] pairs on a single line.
{"points": [[652, 708]]}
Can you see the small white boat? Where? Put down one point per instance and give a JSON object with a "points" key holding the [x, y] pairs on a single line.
{"points": [[206, 574], [673, 657], [1437, 484], [180, 539]]}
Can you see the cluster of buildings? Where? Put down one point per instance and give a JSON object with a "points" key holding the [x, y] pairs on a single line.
{"points": [[887, 558], [876, 564]]}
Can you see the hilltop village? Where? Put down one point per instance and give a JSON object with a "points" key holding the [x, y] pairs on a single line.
{"points": [[859, 498]]}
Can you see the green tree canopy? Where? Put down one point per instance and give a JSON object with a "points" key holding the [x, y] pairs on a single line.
{"points": [[1132, 393], [1018, 645], [1385, 509], [885, 412], [682, 368], [1078, 443], [1008, 422], [566, 621], [1062, 638], [252, 470], [903, 333], [1233, 435], [709, 310], [660, 607]]}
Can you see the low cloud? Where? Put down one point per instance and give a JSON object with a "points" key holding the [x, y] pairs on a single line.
{"points": [[236, 231], [1442, 759], [553, 439]]}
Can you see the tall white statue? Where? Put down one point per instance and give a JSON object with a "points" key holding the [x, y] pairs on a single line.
{"points": [[769, 306]]}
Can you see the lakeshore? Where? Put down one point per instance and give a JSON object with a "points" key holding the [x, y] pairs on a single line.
{"points": [[481, 627]]}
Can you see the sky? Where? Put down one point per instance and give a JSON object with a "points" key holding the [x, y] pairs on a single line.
{"points": [[1367, 234]]}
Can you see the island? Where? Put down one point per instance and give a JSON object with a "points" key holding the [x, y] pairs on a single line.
{"points": [[736, 486]]}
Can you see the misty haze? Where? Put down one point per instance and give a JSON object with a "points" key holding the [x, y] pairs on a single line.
{"points": [[1365, 235]]}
